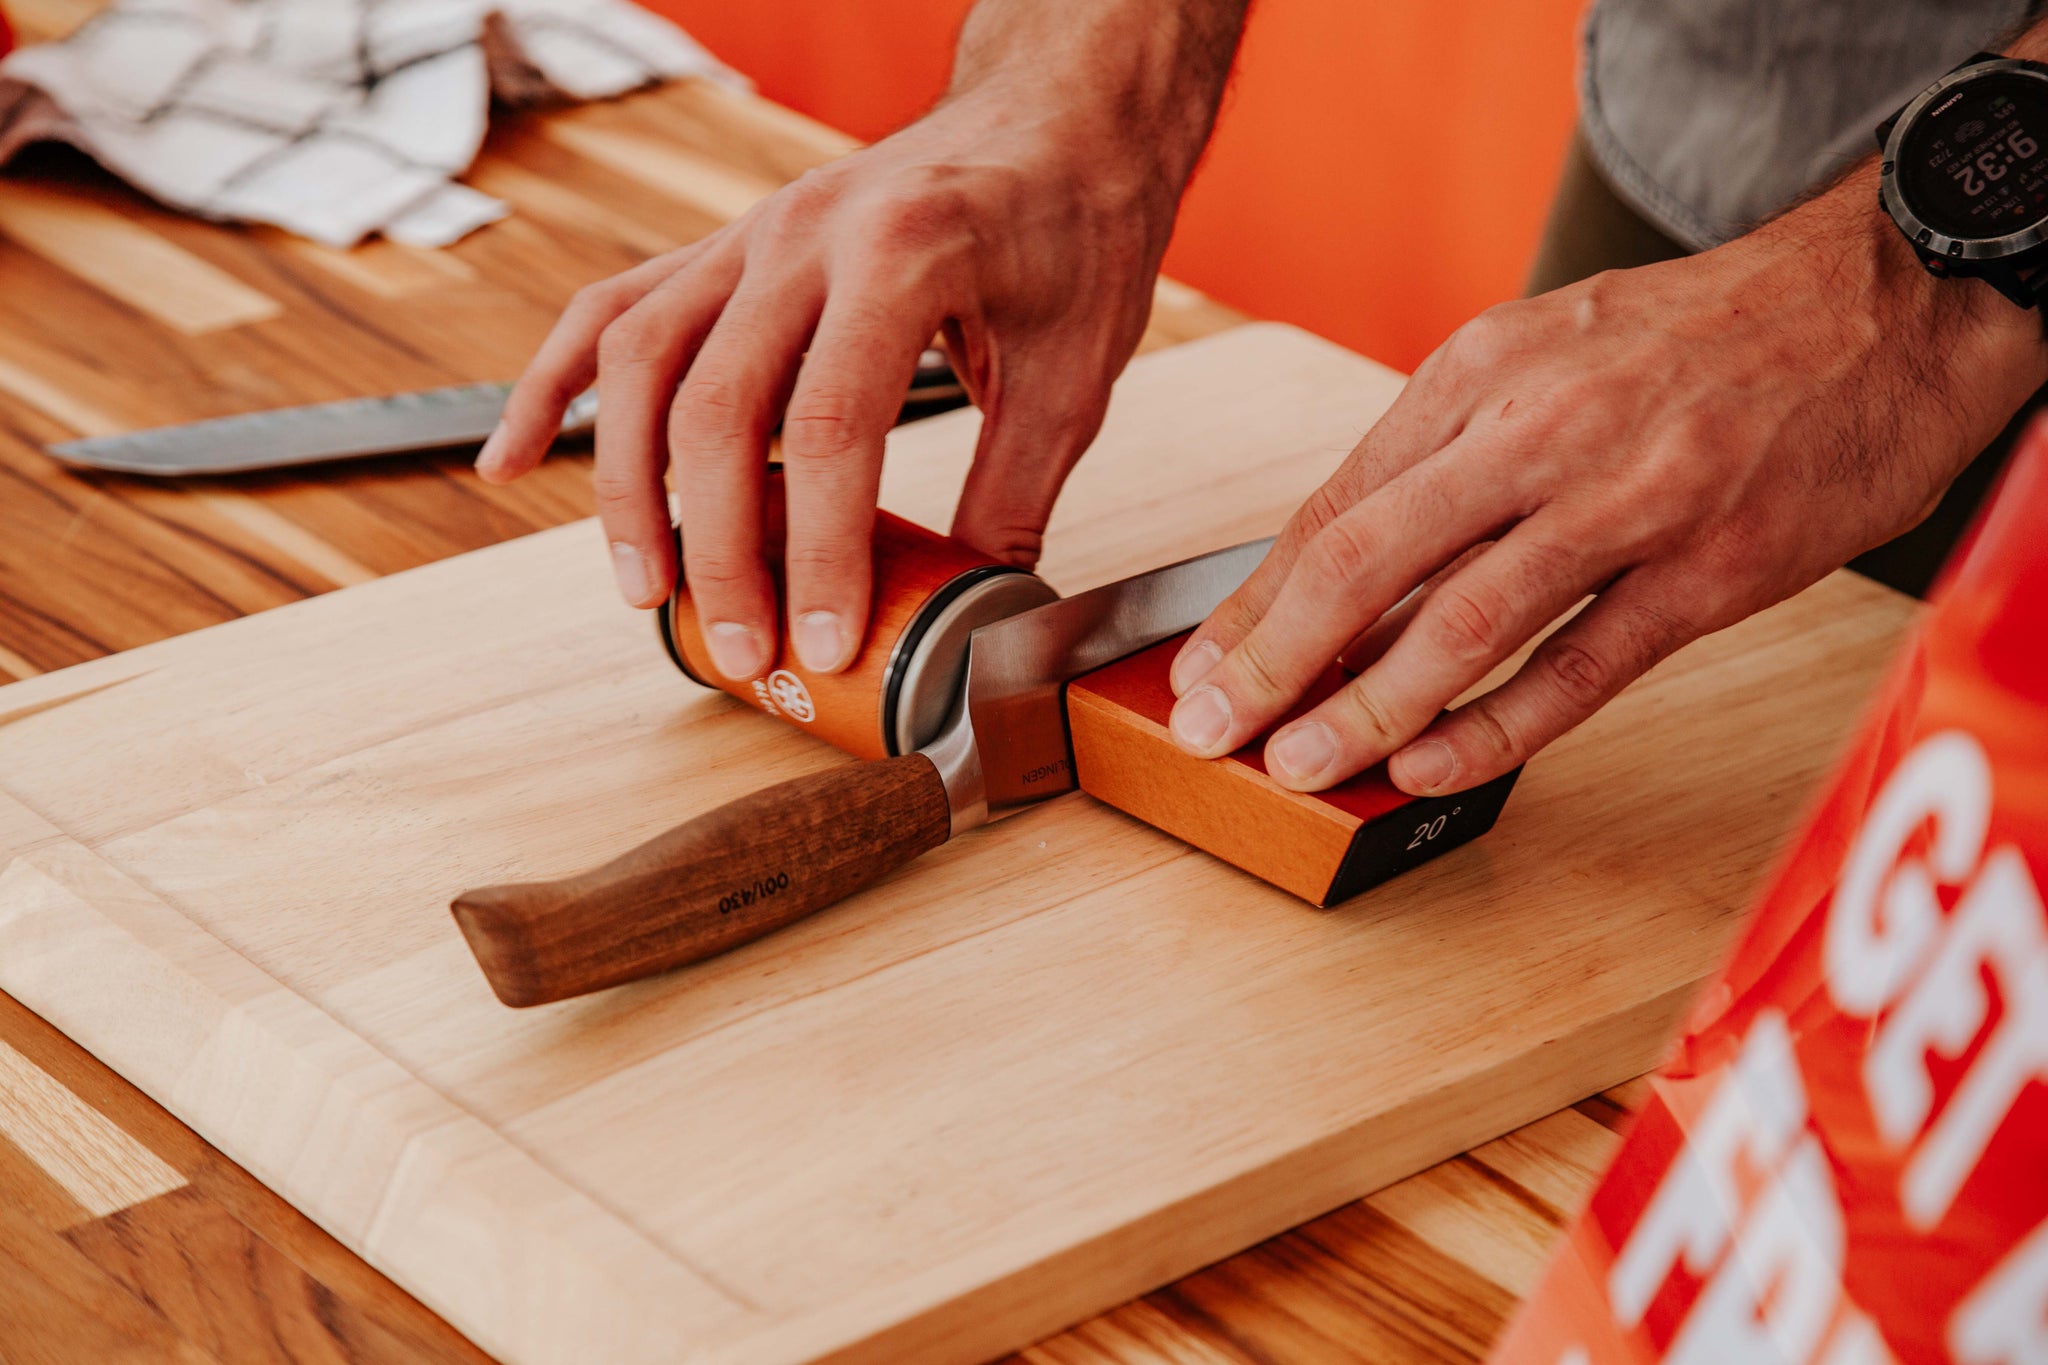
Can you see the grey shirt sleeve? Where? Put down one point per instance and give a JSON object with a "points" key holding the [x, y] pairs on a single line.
{"points": [[1708, 116]]}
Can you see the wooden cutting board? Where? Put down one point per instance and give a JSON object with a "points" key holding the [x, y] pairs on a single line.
{"points": [[1059, 1061]]}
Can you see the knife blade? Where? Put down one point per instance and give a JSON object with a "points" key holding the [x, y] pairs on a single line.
{"points": [[357, 428], [773, 857], [1018, 667], [351, 429]]}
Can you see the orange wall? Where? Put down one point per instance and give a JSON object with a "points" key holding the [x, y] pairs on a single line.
{"points": [[1380, 173]]}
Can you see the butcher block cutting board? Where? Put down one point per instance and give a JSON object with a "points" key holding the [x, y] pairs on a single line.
{"points": [[1055, 1063]]}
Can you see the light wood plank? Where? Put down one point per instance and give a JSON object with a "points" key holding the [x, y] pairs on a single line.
{"points": [[390, 270], [56, 401], [730, 110], [1057, 1063], [1476, 1221], [691, 177], [16, 666], [100, 1166], [1137, 1334], [1557, 1160], [130, 262]]}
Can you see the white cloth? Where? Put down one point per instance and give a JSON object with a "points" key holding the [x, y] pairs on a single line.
{"points": [[332, 119]]}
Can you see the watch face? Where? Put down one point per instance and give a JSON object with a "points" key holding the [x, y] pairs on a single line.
{"points": [[1974, 164]]}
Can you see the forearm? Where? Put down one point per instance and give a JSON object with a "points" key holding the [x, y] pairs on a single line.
{"points": [[1142, 78]]}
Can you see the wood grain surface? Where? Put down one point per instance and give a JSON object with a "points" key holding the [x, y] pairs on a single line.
{"points": [[1056, 1062], [217, 1267]]}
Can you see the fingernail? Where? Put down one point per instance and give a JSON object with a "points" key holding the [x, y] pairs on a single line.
{"points": [[488, 456], [1427, 765], [820, 643], [1301, 752], [735, 649], [1193, 664], [1200, 718], [629, 566]]}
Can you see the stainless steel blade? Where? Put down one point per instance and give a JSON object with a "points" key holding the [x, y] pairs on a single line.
{"points": [[350, 429], [1017, 667]]}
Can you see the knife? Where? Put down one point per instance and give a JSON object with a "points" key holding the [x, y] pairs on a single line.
{"points": [[351, 429], [771, 858], [356, 428]]}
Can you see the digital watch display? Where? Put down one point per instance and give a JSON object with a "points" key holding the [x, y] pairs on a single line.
{"points": [[1965, 173]]}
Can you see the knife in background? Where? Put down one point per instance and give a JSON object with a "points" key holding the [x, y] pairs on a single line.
{"points": [[771, 858], [356, 428]]}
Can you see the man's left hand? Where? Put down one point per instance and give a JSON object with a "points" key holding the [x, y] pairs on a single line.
{"points": [[1687, 443]]}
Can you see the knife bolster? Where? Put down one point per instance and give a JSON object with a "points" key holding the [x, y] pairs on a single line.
{"points": [[1324, 847]]}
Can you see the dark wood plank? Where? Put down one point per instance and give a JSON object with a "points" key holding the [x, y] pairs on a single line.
{"points": [[169, 1253], [57, 1307]]}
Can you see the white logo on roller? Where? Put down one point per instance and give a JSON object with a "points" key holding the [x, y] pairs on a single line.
{"points": [[787, 694]]}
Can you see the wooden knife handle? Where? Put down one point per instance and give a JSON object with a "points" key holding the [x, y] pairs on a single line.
{"points": [[723, 879]]}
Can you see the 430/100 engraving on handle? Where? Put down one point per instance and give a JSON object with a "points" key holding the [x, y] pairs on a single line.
{"points": [[761, 890]]}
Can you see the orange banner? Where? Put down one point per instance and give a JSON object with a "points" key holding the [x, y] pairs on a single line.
{"points": [[1846, 1161]]}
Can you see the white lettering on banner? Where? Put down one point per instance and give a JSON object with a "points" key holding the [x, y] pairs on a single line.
{"points": [[1755, 1113], [1575, 1355], [1777, 1290], [1869, 957], [1999, 925], [2004, 1320]]}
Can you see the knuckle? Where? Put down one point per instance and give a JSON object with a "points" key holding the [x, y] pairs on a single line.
{"points": [[707, 405], [918, 221], [1469, 622], [822, 559], [615, 490], [1651, 631], [1366, 716], [717, 567], [1493, 738], [629, 342], [1255, 673], [804, 200], [1582, 677], [1339, 558], [1013, 544], [599, 299], [795, 214], [1322, 507], [822, 425], [1480, 343]]}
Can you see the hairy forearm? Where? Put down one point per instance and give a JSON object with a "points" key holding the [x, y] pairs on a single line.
{"points": [[1142, 77]]}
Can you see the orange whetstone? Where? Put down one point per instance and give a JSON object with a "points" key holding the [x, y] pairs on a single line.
{"points": [[1322, 846]]}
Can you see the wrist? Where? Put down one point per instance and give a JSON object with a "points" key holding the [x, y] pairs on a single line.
{"points": [[1087, 154], [1130, 86], [1957, 339]]}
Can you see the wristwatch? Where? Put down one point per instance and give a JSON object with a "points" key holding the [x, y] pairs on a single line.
{"points": [[1965, 174]]}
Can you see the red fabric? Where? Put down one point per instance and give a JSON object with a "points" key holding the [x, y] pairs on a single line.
{"points": [[6, 35], [1846, 1160]]}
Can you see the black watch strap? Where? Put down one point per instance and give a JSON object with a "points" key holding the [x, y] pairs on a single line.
{"points": [[2033, 284]]}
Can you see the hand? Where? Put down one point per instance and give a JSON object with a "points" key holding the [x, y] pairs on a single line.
{"points": [[1688, 443], [1031, 241]]}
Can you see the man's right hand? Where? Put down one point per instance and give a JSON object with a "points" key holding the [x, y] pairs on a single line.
{"points": [[1030, 243]]}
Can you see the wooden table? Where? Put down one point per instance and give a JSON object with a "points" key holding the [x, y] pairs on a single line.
{"points": [[125, 1236]]}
